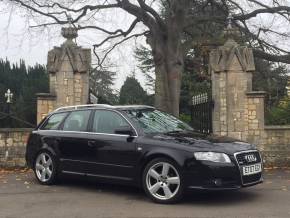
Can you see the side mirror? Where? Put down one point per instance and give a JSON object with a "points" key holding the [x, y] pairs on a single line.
{"points": [[125, 130]]}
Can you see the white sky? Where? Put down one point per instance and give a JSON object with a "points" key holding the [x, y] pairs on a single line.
{"points": [[18, 41]]}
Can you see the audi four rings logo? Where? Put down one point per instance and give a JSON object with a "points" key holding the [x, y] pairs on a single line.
{"points": [[250, 158]]}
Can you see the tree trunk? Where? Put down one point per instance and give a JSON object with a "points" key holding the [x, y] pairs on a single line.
{"points": [[168, 69], [168, 54]]}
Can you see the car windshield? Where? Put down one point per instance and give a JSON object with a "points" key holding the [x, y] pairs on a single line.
{"points": [[155, 121]]}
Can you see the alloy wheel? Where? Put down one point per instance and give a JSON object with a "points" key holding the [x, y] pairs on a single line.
{"points": [[163, 181], [44, 167]]}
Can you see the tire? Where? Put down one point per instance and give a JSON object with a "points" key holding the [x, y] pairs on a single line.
{"points": [[45, 168], [162, 181]]}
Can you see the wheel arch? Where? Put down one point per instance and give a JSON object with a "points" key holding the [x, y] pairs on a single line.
{"points": [[171, 155]]}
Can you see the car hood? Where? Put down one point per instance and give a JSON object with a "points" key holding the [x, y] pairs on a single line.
{"points": [[200, 142]]}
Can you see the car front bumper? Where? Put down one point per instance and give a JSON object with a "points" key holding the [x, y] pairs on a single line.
{"points": [[222, 187], [205, 175]]}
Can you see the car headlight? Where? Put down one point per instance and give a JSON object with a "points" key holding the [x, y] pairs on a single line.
{"points": [[212, 156]]}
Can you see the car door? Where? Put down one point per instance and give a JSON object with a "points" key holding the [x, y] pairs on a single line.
{"points": [[116, 155], [73, 143]]}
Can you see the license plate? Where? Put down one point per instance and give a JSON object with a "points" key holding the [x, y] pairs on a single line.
{"points": [[252, 169]]}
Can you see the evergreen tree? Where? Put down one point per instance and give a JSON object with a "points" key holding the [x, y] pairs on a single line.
{"points": [[146, 65], [132, 92], [272, 79], [101, 85], [24, 82]]}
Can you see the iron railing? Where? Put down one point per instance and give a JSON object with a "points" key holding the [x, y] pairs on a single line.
{"points": [[201, 113], [18, 115]]}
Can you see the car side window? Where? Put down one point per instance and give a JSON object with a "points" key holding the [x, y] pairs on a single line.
{"points": [[77, 121], [108, 121], [54, 121]]}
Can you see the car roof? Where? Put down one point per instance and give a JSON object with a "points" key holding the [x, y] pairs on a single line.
{"points": [[102, 106], [127, 107]]}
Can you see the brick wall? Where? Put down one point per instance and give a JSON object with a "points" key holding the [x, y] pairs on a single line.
{"points": [[12, 147]]}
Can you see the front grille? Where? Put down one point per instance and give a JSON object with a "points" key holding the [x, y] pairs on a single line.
{"points": [[248, 158], [252, 178]]}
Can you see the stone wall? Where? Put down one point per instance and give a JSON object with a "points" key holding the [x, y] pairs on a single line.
{"points": [[254, 117], [45, 105], [238, 110], [275, 145], [13, 146], [231, 81]]}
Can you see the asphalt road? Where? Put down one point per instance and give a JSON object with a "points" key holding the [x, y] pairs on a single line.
{"points": [[21, 196]]}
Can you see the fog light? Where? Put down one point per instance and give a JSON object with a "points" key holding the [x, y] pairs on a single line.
{"points": [[217, 182]]}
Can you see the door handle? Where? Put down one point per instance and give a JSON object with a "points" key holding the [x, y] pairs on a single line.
{"points": [[92, 143]]}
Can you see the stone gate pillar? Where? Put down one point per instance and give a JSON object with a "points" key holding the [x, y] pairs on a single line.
{"points": [[68, 67], [231, 68]]}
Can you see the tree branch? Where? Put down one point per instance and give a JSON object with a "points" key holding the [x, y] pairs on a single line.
{"points": [[254, 13], [144, 6], [101, 61], [83, 10], [140, 13], [120, 31], [254, 36], [130, 29], [271, 57]]}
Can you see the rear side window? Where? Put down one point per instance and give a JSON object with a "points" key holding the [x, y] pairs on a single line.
{"points": [[108, 122], [77, 121], [54, 121]]}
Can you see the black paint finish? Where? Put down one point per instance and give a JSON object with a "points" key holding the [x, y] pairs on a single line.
{"points": [[122, 158]]}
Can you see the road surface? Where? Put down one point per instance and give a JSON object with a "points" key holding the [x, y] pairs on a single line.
{"points": [[21, 196]]}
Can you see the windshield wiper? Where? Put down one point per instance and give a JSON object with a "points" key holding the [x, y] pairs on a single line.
{"points": [[174, 131]]}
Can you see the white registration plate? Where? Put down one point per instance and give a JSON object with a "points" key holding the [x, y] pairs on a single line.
{"points": [[252, 169]]}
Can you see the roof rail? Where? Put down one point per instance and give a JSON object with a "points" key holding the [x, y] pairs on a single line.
{"points": [[75, 107]]}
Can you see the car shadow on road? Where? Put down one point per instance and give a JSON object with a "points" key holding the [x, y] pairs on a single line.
{"points": [[93, 185], [135, 193], [221, 197]]}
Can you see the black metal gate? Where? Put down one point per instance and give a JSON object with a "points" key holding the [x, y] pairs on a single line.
{"points": [[201, 113], [18, 115]]}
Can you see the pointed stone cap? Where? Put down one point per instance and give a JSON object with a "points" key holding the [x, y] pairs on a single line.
{"points": [[79, 58], [232, 56], [230, 33]]}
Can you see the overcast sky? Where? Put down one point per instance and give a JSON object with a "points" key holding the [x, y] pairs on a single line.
{"points": [[18, 41]]}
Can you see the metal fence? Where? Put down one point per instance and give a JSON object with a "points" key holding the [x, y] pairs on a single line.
{"points": [[201, 113], [18, 115]]}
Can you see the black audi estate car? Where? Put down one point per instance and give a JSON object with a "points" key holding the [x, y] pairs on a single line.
{"points": [[141, 146]]}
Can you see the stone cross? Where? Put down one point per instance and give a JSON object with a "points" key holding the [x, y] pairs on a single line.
{"points": [[9, 96]]}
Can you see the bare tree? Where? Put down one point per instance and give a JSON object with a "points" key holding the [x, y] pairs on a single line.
{"points": [[166, 30]]}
